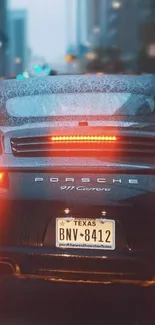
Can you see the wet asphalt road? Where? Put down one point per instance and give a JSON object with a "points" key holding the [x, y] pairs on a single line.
{"points": [[46, 303]]}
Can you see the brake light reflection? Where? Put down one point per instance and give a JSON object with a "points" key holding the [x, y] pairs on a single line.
{"points": [[83, 138]]}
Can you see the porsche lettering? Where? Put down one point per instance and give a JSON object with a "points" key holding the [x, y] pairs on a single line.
{"points": [[84, 180]]}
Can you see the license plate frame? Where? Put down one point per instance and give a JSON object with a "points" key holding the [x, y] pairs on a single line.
{"points": [[83, 244]]}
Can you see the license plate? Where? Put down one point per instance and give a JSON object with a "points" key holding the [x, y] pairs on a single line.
{"points": [[85, 233]]}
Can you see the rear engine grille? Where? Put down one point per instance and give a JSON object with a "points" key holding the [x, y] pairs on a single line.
{"points": [[123, 146]]}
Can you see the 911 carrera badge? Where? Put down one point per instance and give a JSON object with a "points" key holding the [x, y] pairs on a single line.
{"points": [[84, 188]]}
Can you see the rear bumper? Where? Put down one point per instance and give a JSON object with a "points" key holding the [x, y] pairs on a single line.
{"points": [[40, 263]]}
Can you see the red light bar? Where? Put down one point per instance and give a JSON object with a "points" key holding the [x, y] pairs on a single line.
{"points": [[83, 138]]}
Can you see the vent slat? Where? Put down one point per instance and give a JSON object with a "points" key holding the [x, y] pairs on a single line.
{"points": [[124, 146], [45, 145]]}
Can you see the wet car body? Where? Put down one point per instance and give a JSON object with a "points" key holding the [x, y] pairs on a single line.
{"points": [[87, 185]]}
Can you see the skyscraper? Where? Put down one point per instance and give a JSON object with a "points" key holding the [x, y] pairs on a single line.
{"points": [[3, 38], [18, 45], [91, 21], [81, 23], [127, 26], [108, 22]]}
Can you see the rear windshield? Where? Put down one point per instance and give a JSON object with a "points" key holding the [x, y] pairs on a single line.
{"points": [[106, 104]]}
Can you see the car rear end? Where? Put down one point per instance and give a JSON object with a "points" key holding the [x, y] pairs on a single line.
{"points": [[77, 202]]}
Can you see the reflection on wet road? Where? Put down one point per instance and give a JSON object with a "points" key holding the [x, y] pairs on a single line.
{"points": [[51, 303]]}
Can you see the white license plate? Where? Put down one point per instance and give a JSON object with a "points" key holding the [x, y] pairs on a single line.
{"points": [[85, 233]]}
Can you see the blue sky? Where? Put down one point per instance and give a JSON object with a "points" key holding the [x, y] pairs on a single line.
{"points": [[47, 26]]}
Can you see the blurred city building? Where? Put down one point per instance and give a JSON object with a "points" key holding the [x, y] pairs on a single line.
{"points": [[112, 24], [108, 23], [81, 23], [123, 20], [147, 51], [3, 38], [90, 22], [18, 44]]}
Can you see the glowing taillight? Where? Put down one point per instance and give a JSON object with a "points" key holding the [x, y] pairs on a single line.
{"points": [[3, 180], [2, 175], [83, 138]]}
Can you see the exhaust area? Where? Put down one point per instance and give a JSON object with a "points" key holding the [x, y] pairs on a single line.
{"points": [[6, 269]]}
